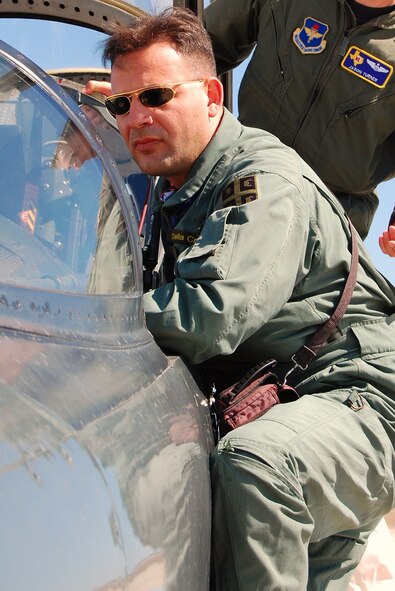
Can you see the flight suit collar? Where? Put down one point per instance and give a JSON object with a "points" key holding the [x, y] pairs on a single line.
{"points": [[387, 21]]}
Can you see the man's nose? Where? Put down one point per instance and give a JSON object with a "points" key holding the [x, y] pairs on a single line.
{"points": [[139, 115]]}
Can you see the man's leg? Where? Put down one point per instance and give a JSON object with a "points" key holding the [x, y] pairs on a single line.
{"points": [[333, 560], [296, 494]]}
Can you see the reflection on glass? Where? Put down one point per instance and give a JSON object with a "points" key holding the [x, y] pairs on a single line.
{"points": [[60, 223]]}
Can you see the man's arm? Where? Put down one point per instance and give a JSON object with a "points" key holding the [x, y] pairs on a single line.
{"points": [[236, 277], [232, 26]]}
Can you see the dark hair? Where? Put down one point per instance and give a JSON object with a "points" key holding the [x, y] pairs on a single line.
{"points": [[179, 27]]}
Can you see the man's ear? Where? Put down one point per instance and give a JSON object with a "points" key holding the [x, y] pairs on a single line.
{"points": [[215, 93]]}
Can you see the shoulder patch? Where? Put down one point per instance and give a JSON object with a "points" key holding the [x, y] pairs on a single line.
{"points": [[240, 191], [310, 37]]}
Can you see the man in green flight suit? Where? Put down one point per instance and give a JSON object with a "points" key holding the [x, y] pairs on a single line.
{"points": [[256, 255], [321, 78]]}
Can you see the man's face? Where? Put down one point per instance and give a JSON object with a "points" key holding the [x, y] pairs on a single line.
{"points": [[166, 140]]}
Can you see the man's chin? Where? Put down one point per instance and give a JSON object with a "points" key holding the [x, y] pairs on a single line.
{"points": [[152, 168]]}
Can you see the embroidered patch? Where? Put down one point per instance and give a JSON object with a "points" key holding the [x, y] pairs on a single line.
{"points": [[176, 236], [28, 219], [311, 37], [367, 66], [240, 191]]}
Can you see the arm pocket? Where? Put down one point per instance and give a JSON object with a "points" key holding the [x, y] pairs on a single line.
{"points": [[211, 255]]}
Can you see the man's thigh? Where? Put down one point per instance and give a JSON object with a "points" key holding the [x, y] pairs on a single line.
{"points": [[313, 470]]}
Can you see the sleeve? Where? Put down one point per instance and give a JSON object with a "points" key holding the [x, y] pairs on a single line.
{"points": [[236, 277], [232, 26]]}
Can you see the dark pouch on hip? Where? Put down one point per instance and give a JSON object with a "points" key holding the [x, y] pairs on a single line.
{"points": [[251, 397]]}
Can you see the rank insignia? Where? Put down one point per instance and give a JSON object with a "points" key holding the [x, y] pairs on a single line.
{"points": [[311, 37], [366, 66], [240, 191]]}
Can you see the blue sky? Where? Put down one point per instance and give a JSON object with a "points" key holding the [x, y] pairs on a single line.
{"points": [[52, 45]]}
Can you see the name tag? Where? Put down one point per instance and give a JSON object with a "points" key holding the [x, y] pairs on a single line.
{"points": [[181, 237], [366, 66]]}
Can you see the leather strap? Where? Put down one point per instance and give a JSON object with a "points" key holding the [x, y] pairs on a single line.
{"points": [[309, 351]]}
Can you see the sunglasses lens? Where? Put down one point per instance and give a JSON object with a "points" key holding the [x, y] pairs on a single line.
{"points": [[118, 106], [156, 97], [152, 97]]}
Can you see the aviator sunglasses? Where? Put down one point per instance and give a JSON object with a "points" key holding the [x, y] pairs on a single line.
{"points": [[149, 96]]}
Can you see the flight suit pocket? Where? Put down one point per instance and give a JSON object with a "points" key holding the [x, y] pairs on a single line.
{"points": [[370, 117], [376, 338], [210, 257], [376, 364]]}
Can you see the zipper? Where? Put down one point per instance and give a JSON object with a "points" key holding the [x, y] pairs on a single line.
{"points": [[279, 62], [339, 49], [342, 46], [354, 110]]}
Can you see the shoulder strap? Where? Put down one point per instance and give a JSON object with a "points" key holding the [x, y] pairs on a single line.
{"points": [[309, 351]]}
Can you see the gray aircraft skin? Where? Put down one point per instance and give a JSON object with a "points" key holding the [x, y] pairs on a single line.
{"points": [[104, 438]]}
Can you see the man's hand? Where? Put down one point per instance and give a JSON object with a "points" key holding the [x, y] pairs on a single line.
{"points": [[387, 241], [98, 86]]}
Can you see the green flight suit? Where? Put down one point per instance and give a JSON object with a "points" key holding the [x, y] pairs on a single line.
{"points": [[339, 119], [261, 253]]}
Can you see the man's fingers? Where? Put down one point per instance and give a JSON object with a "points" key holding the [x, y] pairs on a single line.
{"points": [[98, 86], [387, 241]]}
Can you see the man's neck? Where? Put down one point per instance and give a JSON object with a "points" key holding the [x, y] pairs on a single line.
{"points": [[367, 10]]}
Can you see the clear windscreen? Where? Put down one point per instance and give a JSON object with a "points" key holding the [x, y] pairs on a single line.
{"points": [[61, 225]]}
